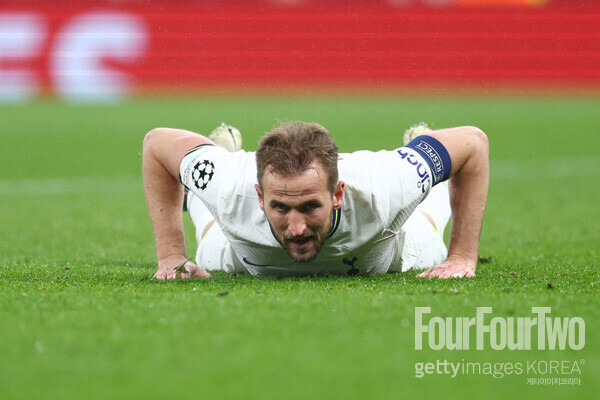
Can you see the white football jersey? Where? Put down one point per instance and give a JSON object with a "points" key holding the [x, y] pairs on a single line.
{"points": [[381, 190]]}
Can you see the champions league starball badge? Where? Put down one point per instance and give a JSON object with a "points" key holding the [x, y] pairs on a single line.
{"points": [[203, 173]]}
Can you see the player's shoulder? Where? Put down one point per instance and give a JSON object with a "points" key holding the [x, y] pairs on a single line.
{"points": [[386, 179], [364, 164], [212, 169], [367, 175], [238, 161]]}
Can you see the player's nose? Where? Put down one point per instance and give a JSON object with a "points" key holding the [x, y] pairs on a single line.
{"points": [[296, 223]]}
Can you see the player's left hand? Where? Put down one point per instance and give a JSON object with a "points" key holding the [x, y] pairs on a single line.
{"points": [[178, 267], [451, 268]]}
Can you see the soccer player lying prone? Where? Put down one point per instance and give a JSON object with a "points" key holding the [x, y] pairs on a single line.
{"points": [[297, 207]]}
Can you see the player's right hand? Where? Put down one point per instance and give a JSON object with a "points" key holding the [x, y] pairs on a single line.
{"points": [[176, 268], [453, 267]]}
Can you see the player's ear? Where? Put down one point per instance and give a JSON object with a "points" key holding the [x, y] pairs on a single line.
{"points": [[338, 195], [261, 199]]}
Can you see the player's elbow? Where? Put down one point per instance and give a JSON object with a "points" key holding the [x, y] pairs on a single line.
{"points": [[478, 141], [151, 138]]}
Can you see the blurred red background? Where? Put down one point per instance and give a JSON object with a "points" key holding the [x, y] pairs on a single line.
{"points": [[103, 49]]}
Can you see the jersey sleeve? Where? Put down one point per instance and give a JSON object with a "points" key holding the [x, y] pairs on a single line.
{"points": [[435, 155], [385, 186], [213, 175]]}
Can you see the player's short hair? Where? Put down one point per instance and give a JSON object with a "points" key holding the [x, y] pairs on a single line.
{"points": [[290, 149]]}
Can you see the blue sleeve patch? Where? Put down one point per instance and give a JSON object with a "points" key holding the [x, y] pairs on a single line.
{"points": [[436, 156]]}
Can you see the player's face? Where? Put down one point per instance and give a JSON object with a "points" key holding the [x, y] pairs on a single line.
{"points": [[299, 209]]}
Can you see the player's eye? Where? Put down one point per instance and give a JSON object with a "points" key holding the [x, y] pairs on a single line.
{"points": [[310, 207], [282, 208]]}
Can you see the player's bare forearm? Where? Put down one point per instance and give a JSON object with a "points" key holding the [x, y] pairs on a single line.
{"points": [[163, 151], [468, 147]]}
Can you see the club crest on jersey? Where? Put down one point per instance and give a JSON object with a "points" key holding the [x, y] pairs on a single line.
{"points": [[353, 270], [425, 183], [203, 173]]}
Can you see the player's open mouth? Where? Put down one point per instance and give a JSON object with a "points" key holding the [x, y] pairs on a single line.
{"points": [[300, 243]]}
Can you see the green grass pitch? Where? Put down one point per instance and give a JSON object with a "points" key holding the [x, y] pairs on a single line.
{"points": [[80, 318]]}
